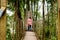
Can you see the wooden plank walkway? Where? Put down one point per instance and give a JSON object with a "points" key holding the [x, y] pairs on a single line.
{"points": [[30, 36]]}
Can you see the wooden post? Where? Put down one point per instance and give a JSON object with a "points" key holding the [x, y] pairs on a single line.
{"points": [[3, 20], [0, 3], [3, 3], [58, 20], [3, 27]]}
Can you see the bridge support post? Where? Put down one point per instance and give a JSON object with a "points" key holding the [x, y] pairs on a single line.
{"points": [[3, 27], [58, 27], [3, 20]]}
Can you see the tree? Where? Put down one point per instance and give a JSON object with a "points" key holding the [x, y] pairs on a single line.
{"points": [[52, 15], [18, 7]]}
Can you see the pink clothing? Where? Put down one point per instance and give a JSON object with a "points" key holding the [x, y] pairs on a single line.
{"points": [[29, 22]]}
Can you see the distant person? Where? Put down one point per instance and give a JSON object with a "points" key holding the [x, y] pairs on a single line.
{"points": [[29, 23]]}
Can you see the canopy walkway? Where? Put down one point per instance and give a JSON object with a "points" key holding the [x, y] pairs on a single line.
{"points": [[44, 13], [30, 36]]}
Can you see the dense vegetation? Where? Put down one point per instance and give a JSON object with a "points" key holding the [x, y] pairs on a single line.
{"points": [[44, 25]]}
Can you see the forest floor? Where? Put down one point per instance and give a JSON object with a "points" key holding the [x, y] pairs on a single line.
{"points": [[30, 36]]}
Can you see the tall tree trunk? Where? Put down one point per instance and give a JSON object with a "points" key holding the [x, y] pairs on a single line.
{"points": [[34, 17], [18, 20], [36, 10], [28, 6], [18, 27], [43, 21], [48, 20]]}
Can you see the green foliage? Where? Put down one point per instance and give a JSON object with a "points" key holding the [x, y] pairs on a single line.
{"points": [[51, 1], [52, 19], [36, 13], [10, 7], [8, 34], [52, 11]]}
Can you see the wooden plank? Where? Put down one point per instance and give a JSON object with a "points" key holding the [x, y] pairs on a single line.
{"points": [[30, 36]]}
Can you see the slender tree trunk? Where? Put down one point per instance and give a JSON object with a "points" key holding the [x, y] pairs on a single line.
{"points": [[48, 22], [43, 21], [18, 19], [36, 10], [34, 17], [28, 5]]}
